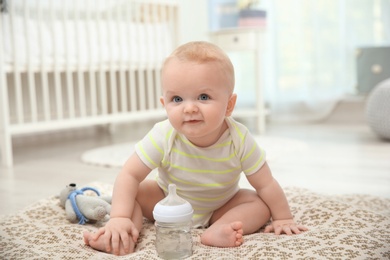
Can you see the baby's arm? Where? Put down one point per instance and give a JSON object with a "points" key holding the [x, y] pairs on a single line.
{"points": [[123, 224], [272, 194]]}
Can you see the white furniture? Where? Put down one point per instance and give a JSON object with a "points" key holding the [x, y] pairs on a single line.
{"points": [[241, 40], [67, 64]]}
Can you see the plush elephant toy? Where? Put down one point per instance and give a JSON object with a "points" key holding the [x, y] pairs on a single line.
{"points": [[82, 207]]}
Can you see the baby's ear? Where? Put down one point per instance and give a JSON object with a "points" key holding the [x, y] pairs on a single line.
{"points": [[162, 101], [231, 104]]}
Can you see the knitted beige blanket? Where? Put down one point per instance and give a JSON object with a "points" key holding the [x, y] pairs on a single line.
{"points": [[341, 227]]}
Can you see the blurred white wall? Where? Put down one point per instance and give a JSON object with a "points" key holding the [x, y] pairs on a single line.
{"points": [[193, 18]]}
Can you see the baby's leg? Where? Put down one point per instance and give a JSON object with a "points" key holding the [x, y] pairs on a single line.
{"points": [[244, 214]]}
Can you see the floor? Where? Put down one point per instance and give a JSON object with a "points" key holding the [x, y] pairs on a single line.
{"points": [[332, 157]]}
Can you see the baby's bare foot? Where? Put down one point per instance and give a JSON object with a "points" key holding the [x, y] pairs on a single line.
{"points": [[95, 244], [224, 235], [99, 245]]}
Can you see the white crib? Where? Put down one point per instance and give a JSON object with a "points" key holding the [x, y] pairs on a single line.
{"points": [[67, 64]]}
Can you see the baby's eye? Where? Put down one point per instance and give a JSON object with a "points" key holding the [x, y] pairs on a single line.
{"points": [[177, 99], [204, 97]]}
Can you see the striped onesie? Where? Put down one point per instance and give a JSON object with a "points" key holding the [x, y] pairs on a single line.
{"points": [[207, 177]]}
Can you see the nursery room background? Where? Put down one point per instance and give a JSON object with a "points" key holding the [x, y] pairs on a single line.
{"points": [[313, 60], [79, 85]]}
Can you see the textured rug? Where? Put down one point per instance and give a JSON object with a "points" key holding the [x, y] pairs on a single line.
{"points": [[341, 227], [116, 155]]}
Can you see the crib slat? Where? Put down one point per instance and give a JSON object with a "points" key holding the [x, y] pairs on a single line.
{"points": [[112, 74], [92, 89], [80, 72], [112, 85], [149, 55], [140, 36], [69, 92], [160, 14], [141, 88], [91, 16], [154, 47], [122, 65], [18, 96], [30, 67], [103, 92], [131, 32], [68, 68], [59, 112], [16, 72], [150, 88], [132, 90], [43, 70], [81, 92], [123, 91], [102, 73]]}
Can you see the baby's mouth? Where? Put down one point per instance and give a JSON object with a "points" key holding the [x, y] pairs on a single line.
{"points": [[192, 121]]}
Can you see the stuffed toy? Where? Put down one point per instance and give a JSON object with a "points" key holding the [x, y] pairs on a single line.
{"points": [[84, 208]]}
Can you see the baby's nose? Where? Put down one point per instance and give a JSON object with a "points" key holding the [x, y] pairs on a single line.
{"points": [[190, 107]]}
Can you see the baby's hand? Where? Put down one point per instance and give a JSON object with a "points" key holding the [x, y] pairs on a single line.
{"points": [[116, 233], [287, 226]]}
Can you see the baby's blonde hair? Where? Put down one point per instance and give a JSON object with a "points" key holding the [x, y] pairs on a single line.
{"points": [[204, 52]]}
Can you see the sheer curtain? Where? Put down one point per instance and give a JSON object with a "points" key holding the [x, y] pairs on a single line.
{"points": [[311, 52]]}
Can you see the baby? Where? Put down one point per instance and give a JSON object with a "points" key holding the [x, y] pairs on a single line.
{"points": [[202, 150]]}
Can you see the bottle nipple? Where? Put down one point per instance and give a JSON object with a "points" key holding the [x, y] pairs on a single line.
{"points": [[172, 199], [173, 208]]}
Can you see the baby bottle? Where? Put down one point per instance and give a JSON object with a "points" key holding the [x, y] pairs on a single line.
{"points": [[173, 226]]}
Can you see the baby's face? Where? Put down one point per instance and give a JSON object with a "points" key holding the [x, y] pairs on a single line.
{"points": [[197, 100]]}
